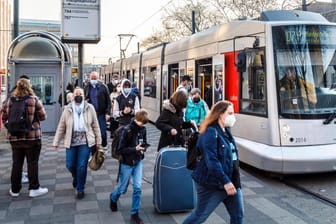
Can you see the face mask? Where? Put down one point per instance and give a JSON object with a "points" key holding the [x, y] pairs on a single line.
{"points": [[93, 82], [115, 82], [196, 99], [127, 90], [230, 121], [78, 99], [118, 89]]}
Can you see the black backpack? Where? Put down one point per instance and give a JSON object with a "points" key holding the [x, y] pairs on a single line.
{"points": [[115, 143], [193, 155], [18, 122]]}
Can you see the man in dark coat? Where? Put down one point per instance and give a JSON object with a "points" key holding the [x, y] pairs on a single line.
{"points": [[97, 94]]}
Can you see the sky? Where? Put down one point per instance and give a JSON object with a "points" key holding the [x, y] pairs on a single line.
{"points": [[138, 17]]}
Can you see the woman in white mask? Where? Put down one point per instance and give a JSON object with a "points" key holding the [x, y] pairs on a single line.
{"points": [[216, 175], [79, 127]]}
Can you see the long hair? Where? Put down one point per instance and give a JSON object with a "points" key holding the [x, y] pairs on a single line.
{"points": [[23, 88], [213, 116], [180, 99]]}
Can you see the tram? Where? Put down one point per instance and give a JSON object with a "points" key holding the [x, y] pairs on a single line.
{"points": [[285, 123]]}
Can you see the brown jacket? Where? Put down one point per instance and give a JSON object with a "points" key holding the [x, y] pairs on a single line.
{"points": [[36, 113]]}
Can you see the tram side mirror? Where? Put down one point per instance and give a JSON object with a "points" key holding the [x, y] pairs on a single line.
{"points": [[241, 62]]}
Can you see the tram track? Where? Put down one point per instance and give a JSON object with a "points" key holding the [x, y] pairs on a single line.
{"points": [[318, 186], [316, 195]]}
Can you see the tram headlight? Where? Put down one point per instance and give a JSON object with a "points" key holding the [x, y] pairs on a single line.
{"points": [[285, 130]]}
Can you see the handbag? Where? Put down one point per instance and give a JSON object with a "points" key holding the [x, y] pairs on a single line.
{"points": [[97, 159]]}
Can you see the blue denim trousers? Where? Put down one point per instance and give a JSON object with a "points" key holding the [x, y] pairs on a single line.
{"points": [[209, 199], [126, 172], [76, 162], [103, 127]]}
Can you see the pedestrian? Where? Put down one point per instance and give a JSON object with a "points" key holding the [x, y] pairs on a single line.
{"points": [[67, 95], [196, 108], [114, 124], [24, 178], [170, 122], [126, 104], [97, 94], [184, 84], [28, 145], [79, 127], [136, 91], [133, 144], [113, 84], [216, 175]]}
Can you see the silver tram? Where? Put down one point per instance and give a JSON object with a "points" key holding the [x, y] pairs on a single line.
{"points": [[281, 127]]}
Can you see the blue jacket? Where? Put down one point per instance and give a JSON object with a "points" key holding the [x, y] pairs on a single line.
{"points": [[216, 167]]}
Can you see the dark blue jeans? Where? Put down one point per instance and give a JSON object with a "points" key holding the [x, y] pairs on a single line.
{"points": [[76, 162], [209, 199], [103, 127]]}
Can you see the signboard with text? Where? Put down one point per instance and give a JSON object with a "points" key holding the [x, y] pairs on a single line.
{"points": [[81, 21]]}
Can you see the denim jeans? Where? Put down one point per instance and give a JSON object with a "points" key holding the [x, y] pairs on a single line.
{"points": [[29, 149], [103, 127], [76, 162], [209, 199], [126, 172]]}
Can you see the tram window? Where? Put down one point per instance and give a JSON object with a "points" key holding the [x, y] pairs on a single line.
{"points": [[150, 82], [253, 84]]}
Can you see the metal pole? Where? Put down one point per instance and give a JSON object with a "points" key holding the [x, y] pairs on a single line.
{"points": [[80, 64], [16, 19], [304, 5], [193, 25]]}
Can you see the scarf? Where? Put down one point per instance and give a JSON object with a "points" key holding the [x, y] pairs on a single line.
{"points": [[78, 117]]}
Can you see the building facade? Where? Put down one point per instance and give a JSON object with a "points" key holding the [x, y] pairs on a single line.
{"points": [[5, 31]]}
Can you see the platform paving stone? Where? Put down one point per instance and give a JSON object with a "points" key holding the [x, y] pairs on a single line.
{"points": [[60, 205]]}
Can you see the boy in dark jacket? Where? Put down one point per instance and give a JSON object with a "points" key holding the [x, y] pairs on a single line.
{"points": [[132, 145]]}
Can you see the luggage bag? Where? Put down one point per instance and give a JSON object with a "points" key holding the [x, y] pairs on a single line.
{"points": [[173, 188]]}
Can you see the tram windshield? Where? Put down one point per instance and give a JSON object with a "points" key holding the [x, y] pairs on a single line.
{"points": [[305, 66]]}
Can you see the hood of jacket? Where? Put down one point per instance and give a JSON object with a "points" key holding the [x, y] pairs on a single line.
{"points": [[168, 105], [122, 86]]}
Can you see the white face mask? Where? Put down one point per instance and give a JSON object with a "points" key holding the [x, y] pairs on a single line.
{"points": [[230, 120]]}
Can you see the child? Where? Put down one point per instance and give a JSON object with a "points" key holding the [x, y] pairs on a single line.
{"points": [[132, 145]]}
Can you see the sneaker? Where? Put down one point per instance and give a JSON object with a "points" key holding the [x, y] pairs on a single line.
{"points": [[136, 219], [113, 205], [24, 178], [13, 194], [38, 192], [80, 195]]}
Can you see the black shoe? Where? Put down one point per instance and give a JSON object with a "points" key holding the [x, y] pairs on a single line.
{"points": [[80, 195], [136, 219], [113, 206]]}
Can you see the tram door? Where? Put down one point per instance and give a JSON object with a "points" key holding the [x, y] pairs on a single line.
{"points": [[191, 71], [173, 70], [182, 71], [204, 79], [164, 83], [218, 77]]}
